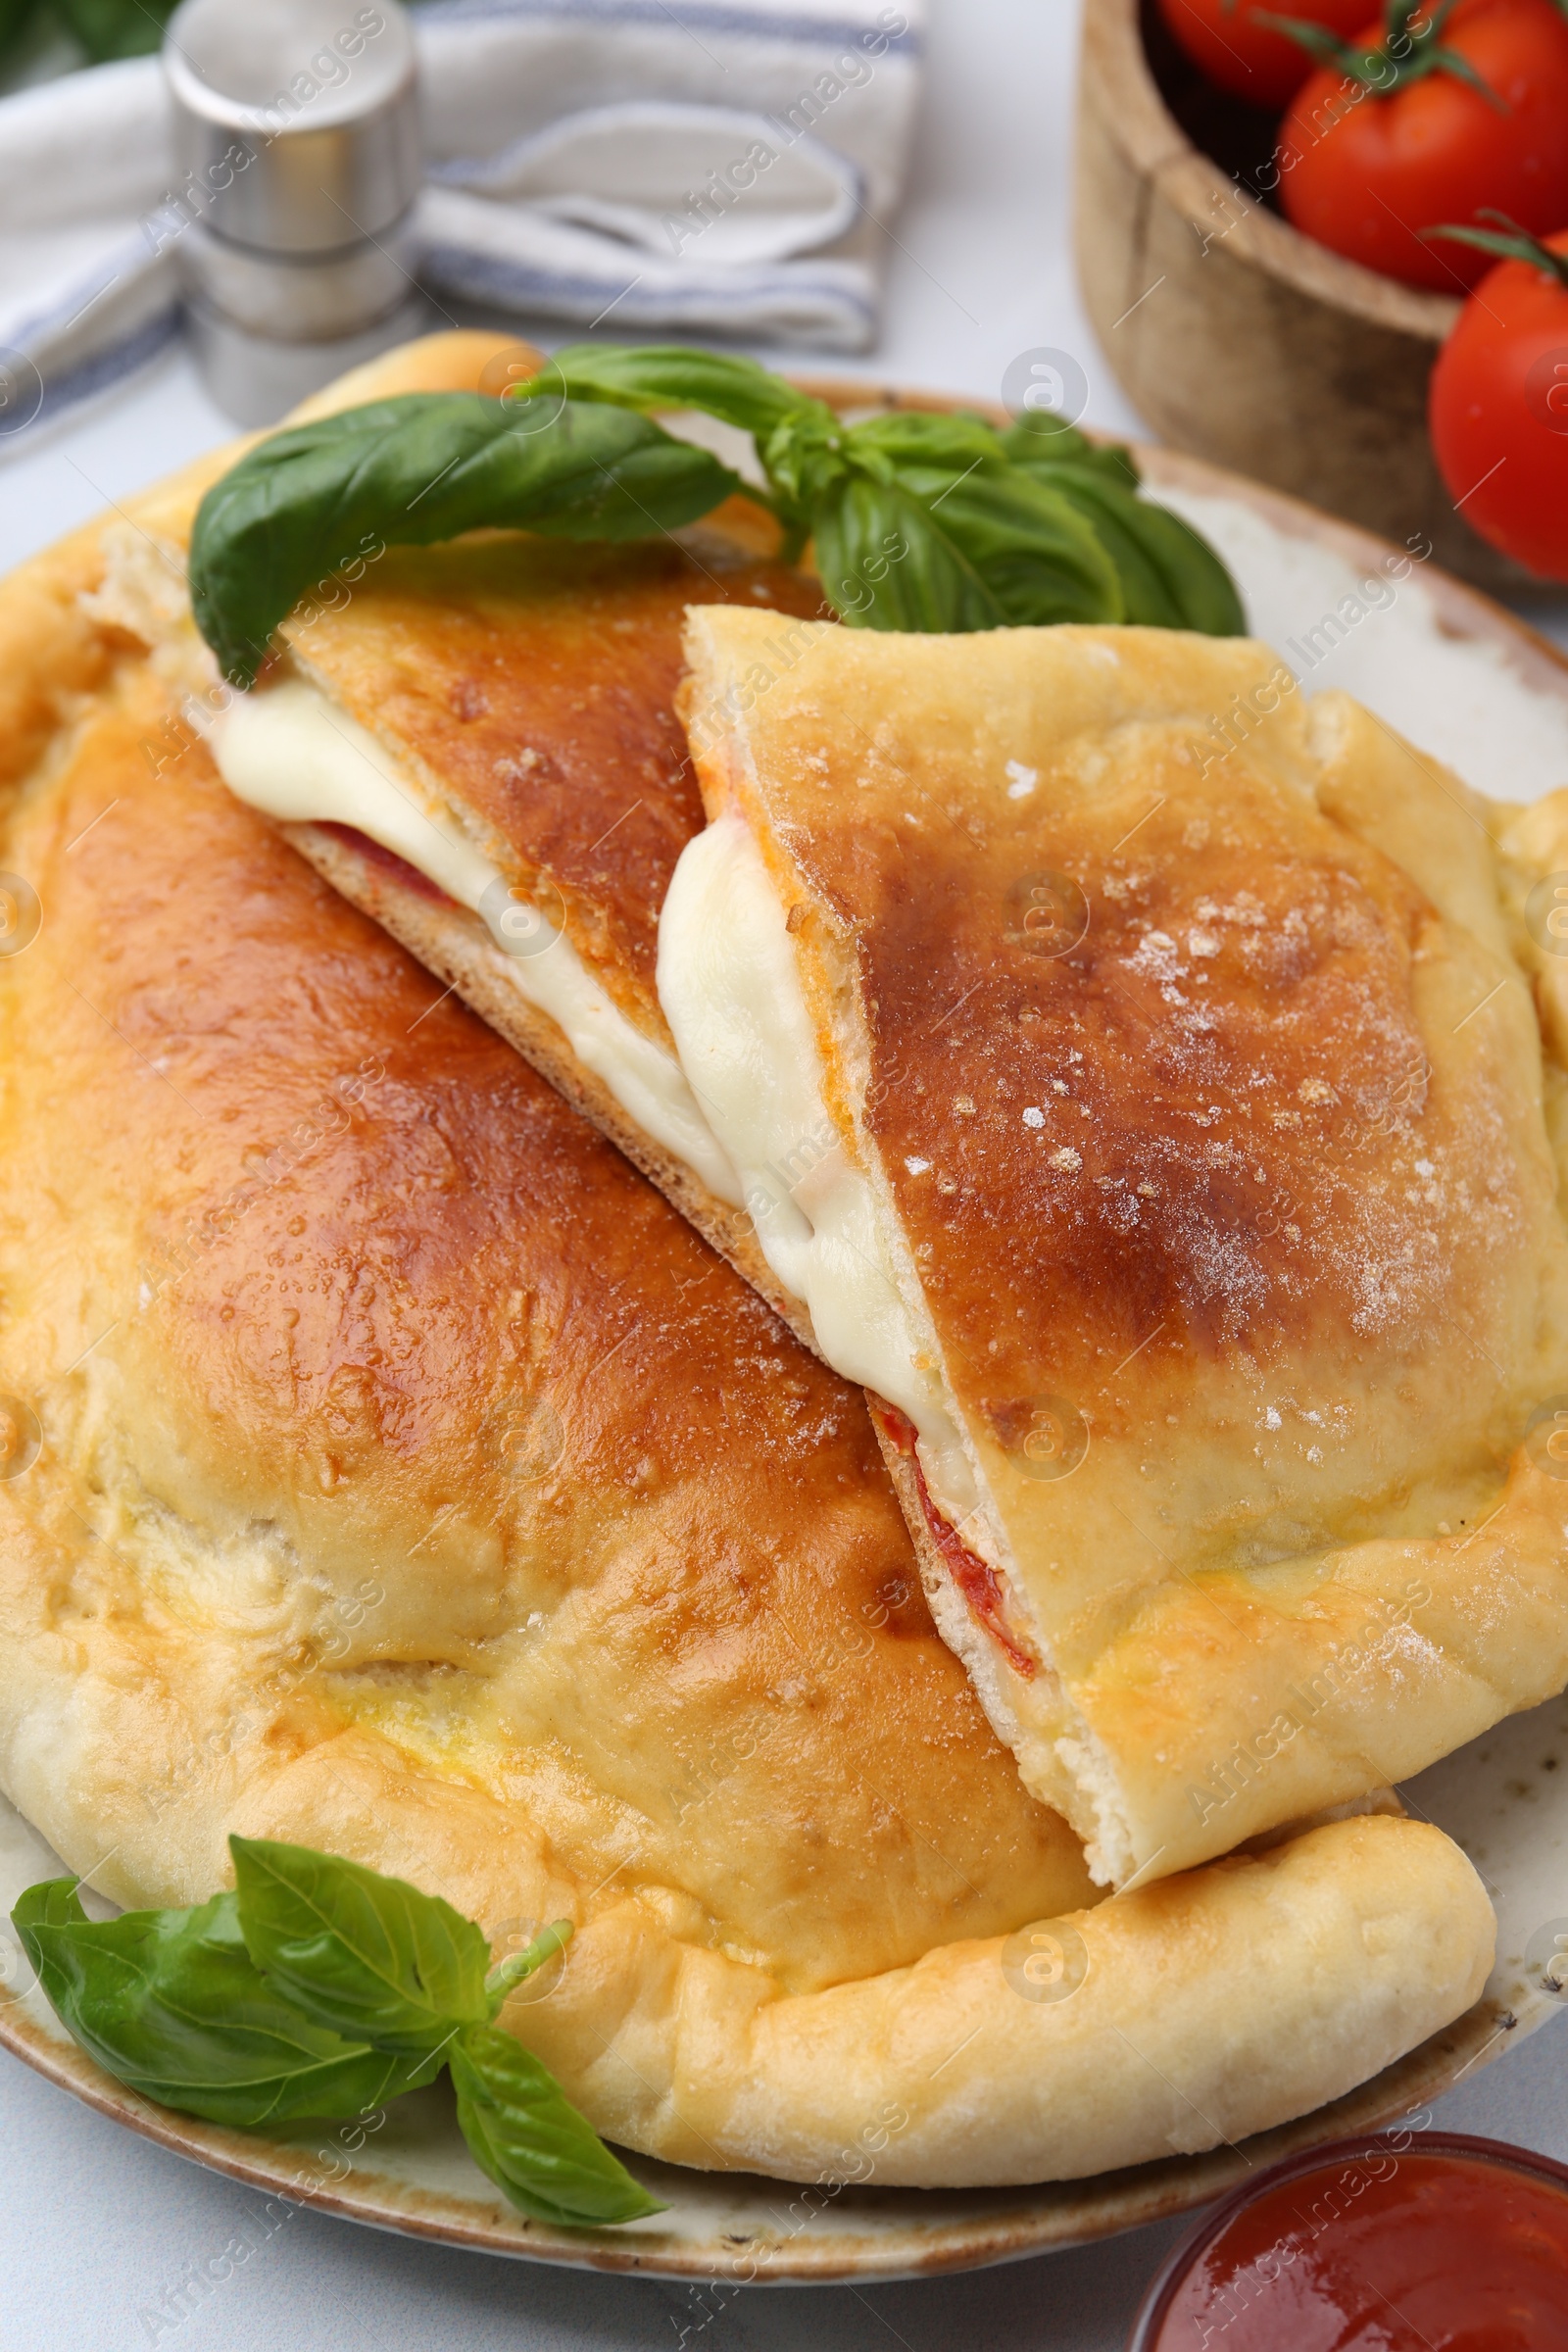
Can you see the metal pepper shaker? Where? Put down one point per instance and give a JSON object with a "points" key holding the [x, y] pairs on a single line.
{"points": [[297, 138]]}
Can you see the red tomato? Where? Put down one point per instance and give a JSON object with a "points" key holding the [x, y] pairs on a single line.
{"points": [[1241, 54], [1498, 409], [1364, 174]]}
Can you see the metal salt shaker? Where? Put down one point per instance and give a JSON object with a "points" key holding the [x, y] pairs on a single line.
{"points": [[297, 135]]}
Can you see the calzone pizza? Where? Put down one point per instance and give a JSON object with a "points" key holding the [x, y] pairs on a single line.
{"points": [[390, 1470]]}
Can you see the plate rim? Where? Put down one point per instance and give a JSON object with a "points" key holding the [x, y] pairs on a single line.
{"points": [[1130, 2198]]}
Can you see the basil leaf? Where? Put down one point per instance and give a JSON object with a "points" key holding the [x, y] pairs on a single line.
{"points": [[884, 564], [371, 1956], [1033, 441], [1170, 577], [802, 458], [1035, 524], [176, 2004], [1030, 556], [663, 375], [986, 551], [51, 1904], [909, 437], [171, 2003], [421, 467], [524, 2132], [1037, 554]]}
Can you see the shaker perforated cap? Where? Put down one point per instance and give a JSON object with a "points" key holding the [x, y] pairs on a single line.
{"points": [[296, 119]]}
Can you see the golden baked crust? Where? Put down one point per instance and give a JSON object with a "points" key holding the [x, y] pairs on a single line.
{"points": [[458, 948], [530, 685], [411, 1482], [1229, 1197]]}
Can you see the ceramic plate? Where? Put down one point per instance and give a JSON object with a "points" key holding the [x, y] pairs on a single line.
{"points": [[1468, 682]]}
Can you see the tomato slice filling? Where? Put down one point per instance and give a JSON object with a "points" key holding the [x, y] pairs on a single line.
{"points": [[397, 868], [981, 1585]]}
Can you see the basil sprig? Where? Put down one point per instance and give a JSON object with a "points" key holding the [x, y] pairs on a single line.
{"points": [[1033, 525], [918, 522], [321, 1989]]}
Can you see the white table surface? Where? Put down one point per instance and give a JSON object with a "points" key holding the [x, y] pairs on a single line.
{"points": [[97, 2228]]}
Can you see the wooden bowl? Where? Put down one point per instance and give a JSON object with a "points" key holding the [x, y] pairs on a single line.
{"points": [[1237, 338]]}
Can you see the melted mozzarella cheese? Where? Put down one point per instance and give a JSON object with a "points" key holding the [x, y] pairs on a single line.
{"points": [[289, 752], [732, 996]]}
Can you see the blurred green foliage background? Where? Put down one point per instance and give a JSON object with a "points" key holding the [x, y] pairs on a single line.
{"points": [[40, 37]]}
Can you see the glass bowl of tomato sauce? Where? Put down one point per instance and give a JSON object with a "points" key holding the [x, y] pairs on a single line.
{"points": [[1409, 2241]]}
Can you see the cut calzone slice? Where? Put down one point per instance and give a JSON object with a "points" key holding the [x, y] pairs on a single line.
{"points": [[1152, 1116], [388, 1468]]}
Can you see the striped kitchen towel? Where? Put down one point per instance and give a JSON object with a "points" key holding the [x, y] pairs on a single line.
{"points": [[715, 166]]}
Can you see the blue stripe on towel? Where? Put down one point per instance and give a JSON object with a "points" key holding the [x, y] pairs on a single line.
{"points": [[526, 284], [709, 15], [101, 368]]}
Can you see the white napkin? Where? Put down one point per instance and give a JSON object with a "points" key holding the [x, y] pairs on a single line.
{"points": [[722, 167]]}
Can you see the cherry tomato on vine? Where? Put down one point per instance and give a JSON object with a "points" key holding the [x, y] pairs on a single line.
{"points": [[1240, 52], [1431, 117], [1499, 403]]}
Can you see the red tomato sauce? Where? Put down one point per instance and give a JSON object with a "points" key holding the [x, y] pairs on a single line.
{"points": [[982, 1588], [1383, 2253]]}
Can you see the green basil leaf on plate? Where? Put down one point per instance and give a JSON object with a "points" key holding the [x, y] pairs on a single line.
{"points": [[1170, 577], [915, 437], [802, 458], [1036, 441], [1205, 592], [1037, 558], [663, 375], [885, 564], [524, 2132], [194, 2009], [171, 2003], [370, 1956], [418, 468]]}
